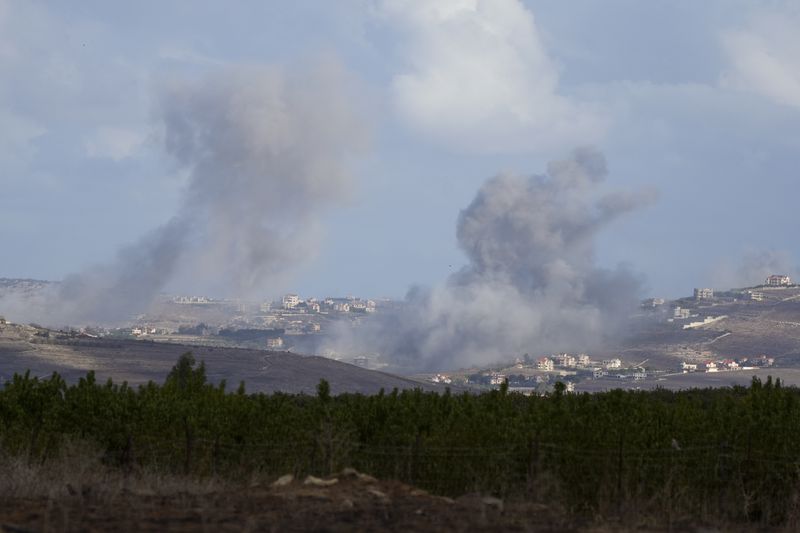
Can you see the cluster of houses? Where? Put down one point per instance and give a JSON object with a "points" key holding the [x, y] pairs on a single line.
{"points": [[565, 367], [566, 360], [292, 302], [705, 294], [728, 364], [141, 331]]}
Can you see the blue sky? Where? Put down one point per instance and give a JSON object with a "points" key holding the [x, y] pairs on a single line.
{"points": [[697, 100]]}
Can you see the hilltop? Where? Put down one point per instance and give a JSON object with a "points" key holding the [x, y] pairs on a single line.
{"points": [[44, 351]]}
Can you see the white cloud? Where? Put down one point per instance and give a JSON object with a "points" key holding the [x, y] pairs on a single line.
{"points": [[479, 78], [764, 56]]}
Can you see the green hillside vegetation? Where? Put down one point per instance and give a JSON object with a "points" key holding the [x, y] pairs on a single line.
{"points": [[714, 454]]}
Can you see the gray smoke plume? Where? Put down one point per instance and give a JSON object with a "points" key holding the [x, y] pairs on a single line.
{"points": [[530, 285], [753, 268], [266, 150]]}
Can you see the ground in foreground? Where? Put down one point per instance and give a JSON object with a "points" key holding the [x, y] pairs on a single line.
{"points": [[349, 501]]}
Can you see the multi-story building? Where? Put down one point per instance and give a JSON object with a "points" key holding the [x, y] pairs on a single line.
{"points": [[778, 280], [755, 296], [290, 301], [566, 360], [703, 294], [679, 312], [544, 363]]}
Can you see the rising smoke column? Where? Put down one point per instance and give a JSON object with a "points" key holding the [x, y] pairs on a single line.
{"points": [[266, 150], [531, 284]]}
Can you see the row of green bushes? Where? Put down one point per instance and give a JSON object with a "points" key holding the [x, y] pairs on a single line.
{"points": [[730, 453]]}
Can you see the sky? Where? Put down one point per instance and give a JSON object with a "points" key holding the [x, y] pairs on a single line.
{"points": [[697, 102]]}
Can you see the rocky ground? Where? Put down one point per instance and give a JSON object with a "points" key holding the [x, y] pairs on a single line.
{"points": [[349, 501]]}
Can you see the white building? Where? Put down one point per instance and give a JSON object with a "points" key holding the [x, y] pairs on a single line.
{"points": [[679, 312], [778, 280], [566, 360], [755, 296], [496, 378], [703, 294], [544, 363], [583, 360], [275, 342], [688, 367], [290, 301], [730, 364], [612, 364]]}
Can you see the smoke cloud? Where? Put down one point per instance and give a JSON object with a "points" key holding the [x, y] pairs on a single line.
{"points": [[531, 283], [753, 268], [266, 151]]}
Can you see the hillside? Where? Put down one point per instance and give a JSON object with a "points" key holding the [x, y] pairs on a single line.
{"points": [[741, 328], [24, 347]]}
